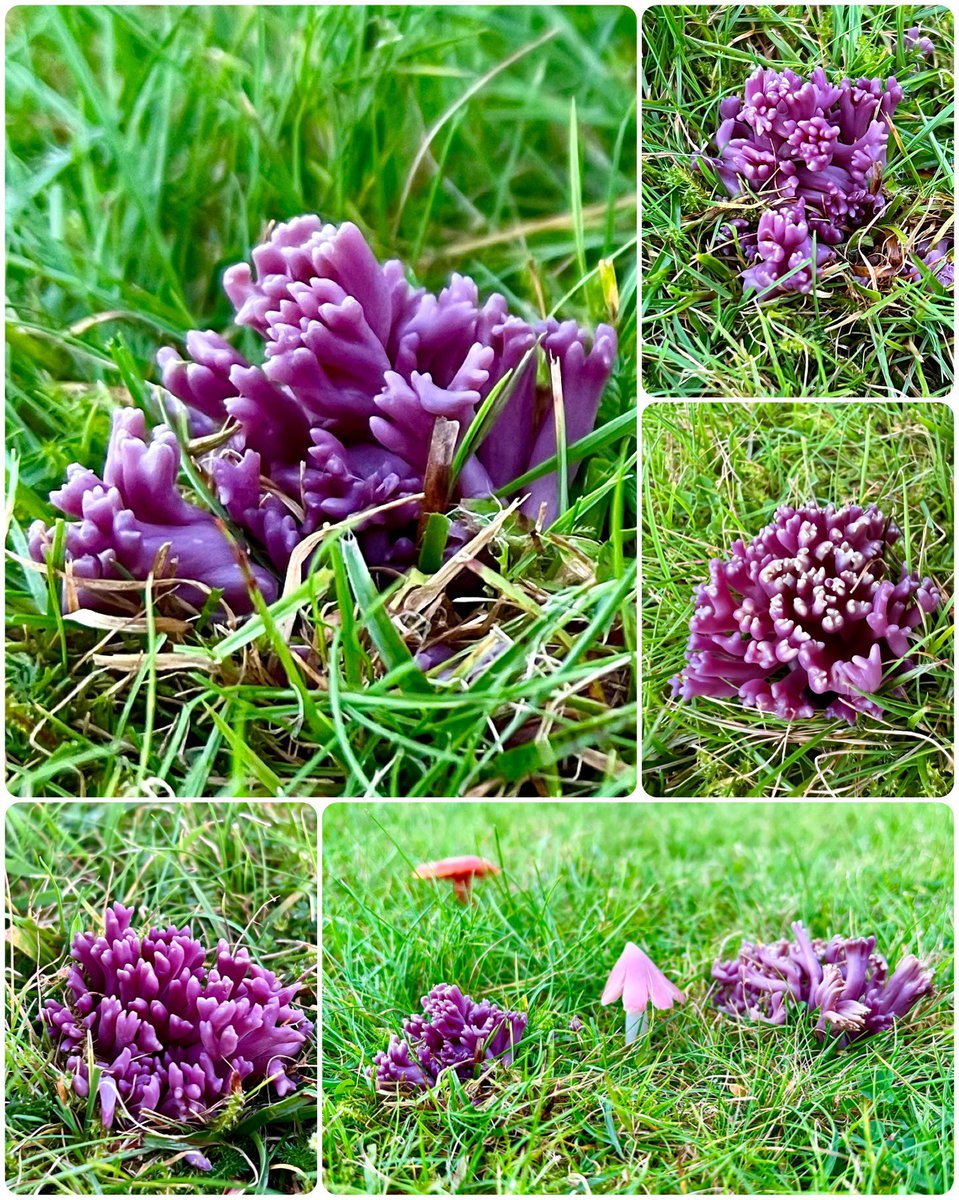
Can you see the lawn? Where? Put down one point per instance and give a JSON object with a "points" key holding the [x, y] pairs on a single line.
{"points": [[238, 872], [703, 1104], [714, 472], [861, 332], [150, 148]]}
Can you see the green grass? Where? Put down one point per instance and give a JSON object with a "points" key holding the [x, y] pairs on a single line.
{"points": [[235, 871], [703, 1105], [860, 333], [714, 472], [148, 149]]}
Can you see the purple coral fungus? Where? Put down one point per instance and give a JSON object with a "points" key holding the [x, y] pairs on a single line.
{"points": [[337, 420], [785, 258], [124, 521], [815, 153], [913, 39], [842, 980], [933, 255], [806, 616], [168, 1034], [453, 1032]]}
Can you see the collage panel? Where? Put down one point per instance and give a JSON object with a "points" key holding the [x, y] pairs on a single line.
{"points": [[637, 999], [321, 421], [797, 599], [161, 984], [798, 200]]}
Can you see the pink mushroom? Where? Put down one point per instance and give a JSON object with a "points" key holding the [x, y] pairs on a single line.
{"points": [[640, 982], [460, 871]]}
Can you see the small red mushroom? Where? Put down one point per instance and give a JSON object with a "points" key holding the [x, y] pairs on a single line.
{"points": [[459, 870]]}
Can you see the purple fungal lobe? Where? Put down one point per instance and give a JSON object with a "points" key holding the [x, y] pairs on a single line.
{"points": [[124, 520], [912, 39], [335, 421], [169, 1034], [933, 255], [785, 260], [843, 983], [453, 1032], [805, 617]]}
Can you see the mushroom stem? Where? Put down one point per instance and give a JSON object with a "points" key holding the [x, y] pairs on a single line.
{"points": [[636, 1025], [461, 890]]}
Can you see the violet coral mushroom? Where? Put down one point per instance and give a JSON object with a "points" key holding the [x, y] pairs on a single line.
{"points": [[843, 981], [807, 617], [815, 152], [169, 1034], [337, 419], [913, 40], [640, 982], [454, 1032], [933, 255]]}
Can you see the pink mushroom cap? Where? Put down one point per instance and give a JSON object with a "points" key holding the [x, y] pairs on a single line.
{"points": [[639, 981]]}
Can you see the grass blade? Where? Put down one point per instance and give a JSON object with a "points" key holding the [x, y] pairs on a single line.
{"points": [[576, 189], [390, 646], [597, 440]]}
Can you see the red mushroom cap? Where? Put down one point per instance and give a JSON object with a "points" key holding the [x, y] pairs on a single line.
{"points": [[462, 867], [459, 871]]}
